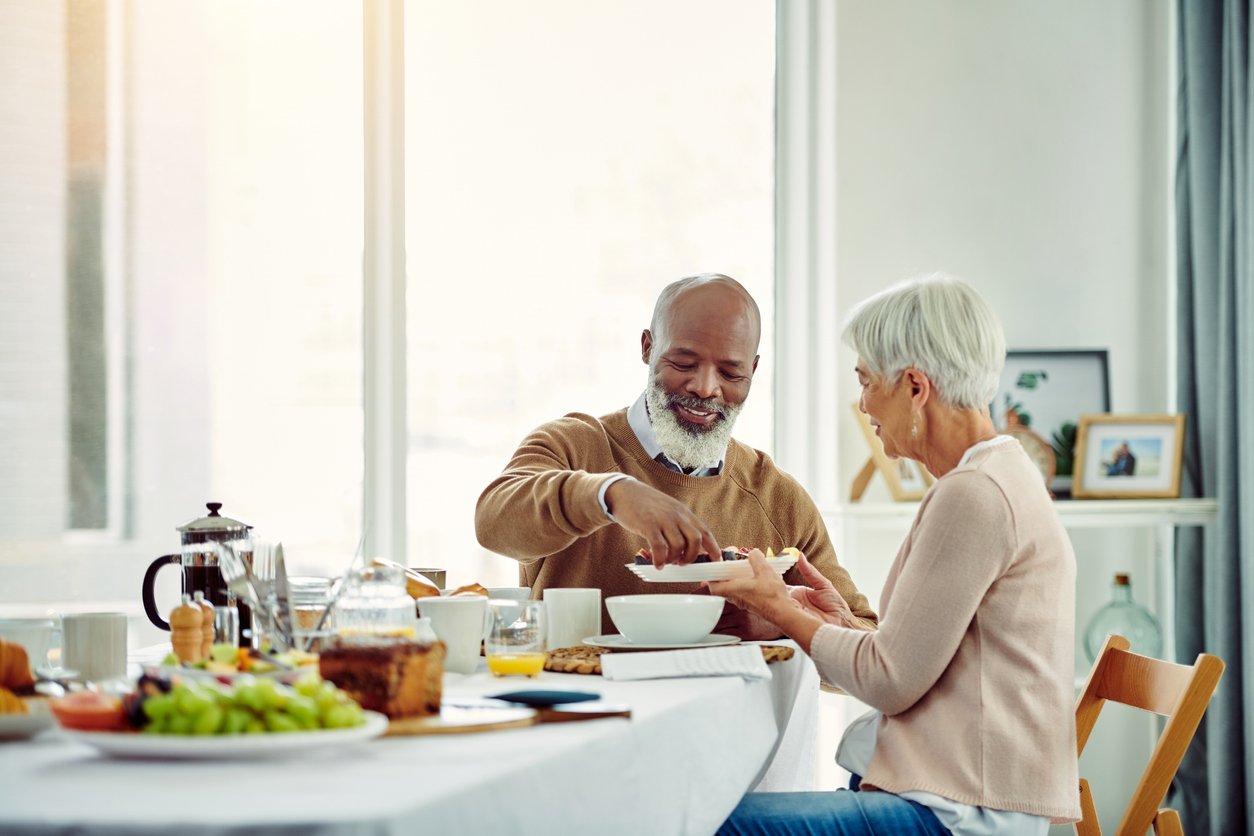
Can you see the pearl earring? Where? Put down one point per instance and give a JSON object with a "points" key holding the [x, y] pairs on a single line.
{"points": [[914, 426]]}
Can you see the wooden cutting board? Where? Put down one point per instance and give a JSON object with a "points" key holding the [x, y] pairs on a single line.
{"points": [[454, 720]]}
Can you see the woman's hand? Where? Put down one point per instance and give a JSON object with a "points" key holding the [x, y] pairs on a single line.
{"points": [[819, 597], [764, 593]]}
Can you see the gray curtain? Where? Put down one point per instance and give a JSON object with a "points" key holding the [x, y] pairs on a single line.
{"points": [[1215, 566]]}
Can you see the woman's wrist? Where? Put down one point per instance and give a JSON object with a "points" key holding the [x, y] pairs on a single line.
{"points": [[798, 624]]}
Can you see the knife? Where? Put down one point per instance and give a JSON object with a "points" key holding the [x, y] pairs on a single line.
{"points": [[284, 615]]}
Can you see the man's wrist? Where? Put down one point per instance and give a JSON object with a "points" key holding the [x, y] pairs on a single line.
{"points": [[605, 486]]}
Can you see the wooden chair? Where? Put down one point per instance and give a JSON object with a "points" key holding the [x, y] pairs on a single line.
{"points": [[1178, 692]]}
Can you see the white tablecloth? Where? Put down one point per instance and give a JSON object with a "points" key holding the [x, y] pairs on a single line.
{"points": [[692, 748]]}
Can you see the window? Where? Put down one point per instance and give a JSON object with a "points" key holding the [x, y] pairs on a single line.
{"points": [[181, 202], [564, 162]]}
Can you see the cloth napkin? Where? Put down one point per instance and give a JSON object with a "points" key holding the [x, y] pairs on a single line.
{"points": [[742, 660]]}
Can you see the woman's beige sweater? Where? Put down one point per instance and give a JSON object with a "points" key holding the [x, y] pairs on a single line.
{"points": [[972, 665]]}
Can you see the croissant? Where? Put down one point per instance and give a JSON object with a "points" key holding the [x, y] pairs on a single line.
{"points": [[10, 703], [14, 667]]}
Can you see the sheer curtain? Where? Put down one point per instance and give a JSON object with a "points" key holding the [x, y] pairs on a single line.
{"points": [[1215, 567]]}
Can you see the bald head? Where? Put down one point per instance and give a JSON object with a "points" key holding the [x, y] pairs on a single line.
{"points": [[710, 295]]}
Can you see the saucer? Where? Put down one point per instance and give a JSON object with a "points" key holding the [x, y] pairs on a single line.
{"points": [[613, 641]]}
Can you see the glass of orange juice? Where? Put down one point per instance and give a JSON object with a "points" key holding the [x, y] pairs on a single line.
{"points": [[514, 641]]}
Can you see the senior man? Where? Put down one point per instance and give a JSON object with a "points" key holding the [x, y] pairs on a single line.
{"points": [[582, 494]]}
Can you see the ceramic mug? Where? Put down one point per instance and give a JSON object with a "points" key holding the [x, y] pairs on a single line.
{"points": [[95, 644], [458, 621], [574, 615]]}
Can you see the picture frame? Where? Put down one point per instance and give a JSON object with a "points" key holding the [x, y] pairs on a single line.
{"points": [[906, 479], [1129, 456], [1050, 389]]}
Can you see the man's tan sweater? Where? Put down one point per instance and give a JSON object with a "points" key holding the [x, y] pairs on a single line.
{"points": [[544, 510], [972, 665]]}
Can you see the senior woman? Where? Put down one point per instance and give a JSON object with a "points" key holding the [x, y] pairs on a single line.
{"points": [[969, 673]]}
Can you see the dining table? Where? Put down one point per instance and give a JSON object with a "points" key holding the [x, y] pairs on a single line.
{"points": [[691, 748]]}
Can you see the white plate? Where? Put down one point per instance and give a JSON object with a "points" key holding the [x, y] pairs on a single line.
{"points": [[719, 570], [226, 747], [613, 641], [22, 726]]}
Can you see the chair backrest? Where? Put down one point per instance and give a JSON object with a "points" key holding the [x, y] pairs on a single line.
{"points": [[1178, 692]]}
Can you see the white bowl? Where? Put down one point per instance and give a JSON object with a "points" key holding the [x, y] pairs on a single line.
{"points": [[664, 619]]}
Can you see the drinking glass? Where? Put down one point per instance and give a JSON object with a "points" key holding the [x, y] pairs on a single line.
{"points": [[514, 642]]}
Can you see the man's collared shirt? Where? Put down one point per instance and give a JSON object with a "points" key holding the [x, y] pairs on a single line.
{"points": [[638, 418]]}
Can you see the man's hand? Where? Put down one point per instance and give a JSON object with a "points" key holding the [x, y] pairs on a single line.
{"points": [[673, 532]]}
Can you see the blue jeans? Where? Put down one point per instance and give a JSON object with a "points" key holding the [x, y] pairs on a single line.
{"points": [[839, 813]]}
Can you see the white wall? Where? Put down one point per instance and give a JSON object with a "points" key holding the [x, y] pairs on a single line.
{"points": [[1024, 146]]}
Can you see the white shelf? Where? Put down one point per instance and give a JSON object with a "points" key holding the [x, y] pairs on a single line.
{"points": [[1075, 513], [1161, 515]]}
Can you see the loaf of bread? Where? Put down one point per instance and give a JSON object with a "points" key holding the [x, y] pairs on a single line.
{"points": [[397, 678], [14, 667], [471, 589]]}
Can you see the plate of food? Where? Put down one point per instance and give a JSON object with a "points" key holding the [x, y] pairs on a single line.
{"points": [[120, 744], [733, 565], [226, 663], [25, 722]]}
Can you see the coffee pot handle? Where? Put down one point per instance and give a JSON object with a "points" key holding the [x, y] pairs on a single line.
{"points": [[150, 579]]}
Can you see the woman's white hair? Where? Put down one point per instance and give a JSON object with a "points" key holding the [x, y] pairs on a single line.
{"points": [[939, 325]]}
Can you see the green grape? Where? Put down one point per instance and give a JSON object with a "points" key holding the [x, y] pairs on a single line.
{"points": [[178, 724], [222, 652], [236, 720], [208, 721], [255, 726], [273, 694], [338, 716], [192, 700], [158, 706], [304, 709], [309, 685], [276, 721], [249, 696]]}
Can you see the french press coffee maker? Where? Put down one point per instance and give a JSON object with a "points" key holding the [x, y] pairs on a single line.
{"points": [[199, 560]]}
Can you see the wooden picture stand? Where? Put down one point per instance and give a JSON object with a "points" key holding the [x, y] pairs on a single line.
{"points": [[906, 479]]}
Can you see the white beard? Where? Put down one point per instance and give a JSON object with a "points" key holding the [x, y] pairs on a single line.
{"points": [[686, 445]]}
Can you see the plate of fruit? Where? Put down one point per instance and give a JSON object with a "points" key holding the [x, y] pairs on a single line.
{"points": [[733, 564], [254, 717], [226, 662]]}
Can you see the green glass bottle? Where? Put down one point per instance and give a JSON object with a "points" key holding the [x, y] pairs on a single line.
{"points": [[1124, 617]]}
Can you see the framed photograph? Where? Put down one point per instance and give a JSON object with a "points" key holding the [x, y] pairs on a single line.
{"points": [[1128, 457], [906, 478], [1047, 392]]}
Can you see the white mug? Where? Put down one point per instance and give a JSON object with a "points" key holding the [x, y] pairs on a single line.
{"points": [[458, 621], [95, 644], [574, 615]]}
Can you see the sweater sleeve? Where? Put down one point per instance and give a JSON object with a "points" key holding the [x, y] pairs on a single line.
{"points": [[962, 541], [543, 501]]}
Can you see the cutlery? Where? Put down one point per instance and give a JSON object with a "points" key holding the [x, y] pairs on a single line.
{"points": [[283, 602]]}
